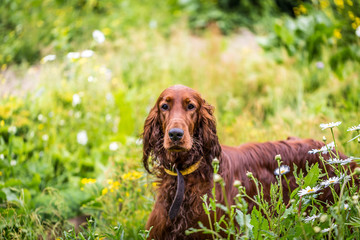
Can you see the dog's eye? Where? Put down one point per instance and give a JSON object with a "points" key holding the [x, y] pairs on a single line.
{"points": [[191, 106], [164, 106]]}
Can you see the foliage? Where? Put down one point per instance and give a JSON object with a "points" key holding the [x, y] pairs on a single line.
{"points": [[304, 216]]}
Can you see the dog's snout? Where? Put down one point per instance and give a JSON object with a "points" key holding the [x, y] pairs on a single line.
{"points": [[176, 134]]}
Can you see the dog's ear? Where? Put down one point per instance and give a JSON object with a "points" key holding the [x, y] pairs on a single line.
{"points": [[207, 132], [151, 135]]}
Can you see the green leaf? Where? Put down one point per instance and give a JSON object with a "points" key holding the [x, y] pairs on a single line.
{"points": [[312, 176], [259, 223]]}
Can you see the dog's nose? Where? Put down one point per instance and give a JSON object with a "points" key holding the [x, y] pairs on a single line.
{"points": [[176, 134]]}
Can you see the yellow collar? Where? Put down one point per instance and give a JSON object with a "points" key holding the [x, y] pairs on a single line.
{"points": [[187, 171]]}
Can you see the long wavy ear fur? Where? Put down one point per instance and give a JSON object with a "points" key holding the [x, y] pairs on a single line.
{"points": [[151, 135], [207, 132]]}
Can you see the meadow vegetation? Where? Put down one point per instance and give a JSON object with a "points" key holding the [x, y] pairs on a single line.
{"points": [[70, 144]]}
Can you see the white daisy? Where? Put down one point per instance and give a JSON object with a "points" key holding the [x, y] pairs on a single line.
{"points": [[311, 218], [82, 138], [73, 55], [344, 177], [328, 229], [329, 125], [2, 156], [13, 162], [320, 65], [45, 137], [113, 146], [76, 100], [354, 128], [12, 129], [308, 190], [98, 36], [341, 161], [48, 58], [324, 149], [330, 181], [357, 32], [346, 206], [87, 53], [284, 169]]}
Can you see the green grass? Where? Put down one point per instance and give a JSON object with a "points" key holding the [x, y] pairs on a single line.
{"points": [[257, 98]]}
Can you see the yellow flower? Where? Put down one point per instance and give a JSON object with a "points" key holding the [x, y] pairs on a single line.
{"points": [[302, 9], [351, 15], [104, 191], [85, 181], [133, 175], [41, 126], [337, 34], [357, 21], [339, 3], [2, 123], [127, 194], [354, 26], [349, 2], [0, 173]]}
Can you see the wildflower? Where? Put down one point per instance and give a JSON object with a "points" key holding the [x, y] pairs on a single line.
{"points": [[48, 58], [324, 149], [249, 174], [317, 229], [153, 24], [215, 161], [337, 34], [323, 217], [87, 53], [341, 161], [82, 138], [329, 125], [2, 156], [2, 123], [76, 99], [330, 181], [344, 177], [217, 178], [328, 229], [85, 181], [133, 175], [278, 157], [62, 122], [237, 183], [108, 117], [91, 79], [104, 191], [98, 36], [308, 190], [0, 173], [41, 118], [113, 146], [324, 139], [139, 141], [45, 137], [73, 55], [357, 32], [320, 65], [355, 128], [284, 169], [12, 129], [311, 219], [109, 97], [346, 206], [13, 162], [357, 171], [77, 114]]}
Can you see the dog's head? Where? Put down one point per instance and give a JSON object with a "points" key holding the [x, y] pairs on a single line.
{"points": [[180, 123]]}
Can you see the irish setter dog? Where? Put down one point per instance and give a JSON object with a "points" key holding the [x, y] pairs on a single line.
{"points": [[180, 134]]}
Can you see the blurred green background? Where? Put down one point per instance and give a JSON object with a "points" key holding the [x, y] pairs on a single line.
{"points": [[70, 123]]}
